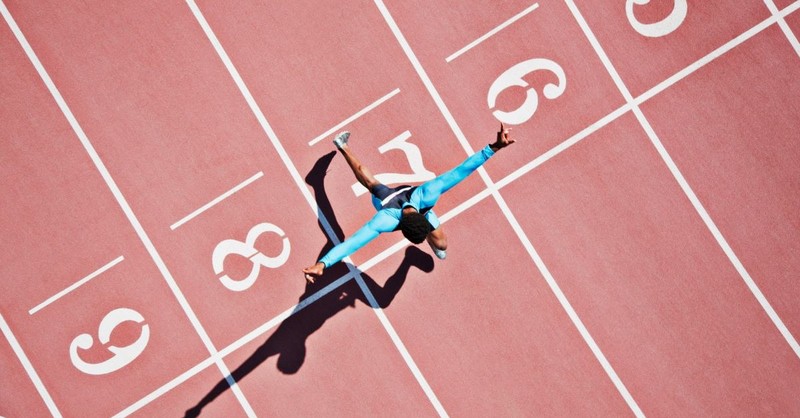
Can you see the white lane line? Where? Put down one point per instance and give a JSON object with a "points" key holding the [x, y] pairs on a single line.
{"points": [[123, 203], [673, 168], [166, 387], [492, 32], [357, 115], [12, 340], [573, 315], [783, 25], [259, 114], [222, 197], [76, 285], [558, 149], [262, 329], [274, 322], [680, 75], [507, 212], [241, 342]]}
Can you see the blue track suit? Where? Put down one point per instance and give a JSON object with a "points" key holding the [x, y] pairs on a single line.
{"points": [[421, 198]]}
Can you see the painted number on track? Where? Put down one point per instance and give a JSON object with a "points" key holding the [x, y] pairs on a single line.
{"points": [[122, 355], [247, 250], [514, 77], [661, 28], [418, 171]]}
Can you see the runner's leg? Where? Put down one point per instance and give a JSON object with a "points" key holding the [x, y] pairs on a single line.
{"points": [[362, 173], [438, 242]]}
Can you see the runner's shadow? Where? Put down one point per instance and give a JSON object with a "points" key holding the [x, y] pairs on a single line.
{"points": [[288, 342]]}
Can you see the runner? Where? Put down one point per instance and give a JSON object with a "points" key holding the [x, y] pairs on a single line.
{"points": [[406, 208]]}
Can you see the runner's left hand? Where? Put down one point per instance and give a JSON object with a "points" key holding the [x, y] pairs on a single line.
{"points": [[503, 138]]}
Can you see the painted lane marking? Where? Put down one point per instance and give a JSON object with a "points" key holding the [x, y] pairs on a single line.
{"points": [[780, 15], [357, 115], [273, 137], [507, 212], [76, 285], [218, 199], [492, 32], [12, 340], [401, 244], [713, 55], [112, 185], [681, 180]]}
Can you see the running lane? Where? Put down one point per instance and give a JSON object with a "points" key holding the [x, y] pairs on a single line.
{"points": [[537, 64], [651, 284], [489, 333], [741, 157], [176, 134], [60, 224]]}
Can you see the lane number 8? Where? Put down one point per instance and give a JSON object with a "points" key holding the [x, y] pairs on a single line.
{"points": [[247, 249]]}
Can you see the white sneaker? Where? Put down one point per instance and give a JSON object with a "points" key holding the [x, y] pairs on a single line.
{"points": [[341, 139], [440, 254]]}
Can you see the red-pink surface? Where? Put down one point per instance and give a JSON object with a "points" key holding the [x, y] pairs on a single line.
{"points": [[654, 316], [793, 20]]}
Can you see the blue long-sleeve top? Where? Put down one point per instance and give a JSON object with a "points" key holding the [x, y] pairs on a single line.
{"points": [[423, 197]]}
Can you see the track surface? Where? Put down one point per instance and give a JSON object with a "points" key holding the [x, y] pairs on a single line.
{"points": [[167, 172]]}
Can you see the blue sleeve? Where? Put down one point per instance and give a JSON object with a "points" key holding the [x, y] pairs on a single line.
{"points": [[432, 219], [381, 222], [430, 191]]}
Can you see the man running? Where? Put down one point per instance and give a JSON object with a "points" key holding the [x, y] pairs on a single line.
{"points": [[406, 208]]}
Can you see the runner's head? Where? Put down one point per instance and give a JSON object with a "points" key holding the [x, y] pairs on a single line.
{"points": [[415, 227]]}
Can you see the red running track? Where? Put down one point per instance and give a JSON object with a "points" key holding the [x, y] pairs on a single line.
{"points": [[635, 253]]}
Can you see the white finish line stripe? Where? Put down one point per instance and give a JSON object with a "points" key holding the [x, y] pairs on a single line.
{"points": [[783, 25], [691, 68], [76, 285], [12, 340], [222, 197], [357, 115], [492, 32]]}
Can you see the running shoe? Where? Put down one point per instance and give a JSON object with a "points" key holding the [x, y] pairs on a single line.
{"points": [[341, 139], [440, 254]]}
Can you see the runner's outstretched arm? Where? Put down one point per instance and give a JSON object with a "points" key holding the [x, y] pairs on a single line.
{"points": [[430, 193], [433, 189], [379, 223]]}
